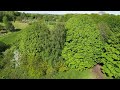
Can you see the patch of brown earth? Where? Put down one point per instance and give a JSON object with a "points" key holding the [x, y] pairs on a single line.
{"points": [[97, 71]]}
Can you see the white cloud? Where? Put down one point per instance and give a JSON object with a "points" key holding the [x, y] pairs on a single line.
{"points": [[66, 12]]}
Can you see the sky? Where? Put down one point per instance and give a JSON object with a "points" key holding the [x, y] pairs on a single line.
{"points": [[67, 12]]}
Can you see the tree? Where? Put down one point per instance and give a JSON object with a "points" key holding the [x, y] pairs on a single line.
{"points": [[5, 20], [57, 40], [38, 45], [83, 47], [1, 27], [111, 51], [8, 25], [108, 26], [34, 47]]}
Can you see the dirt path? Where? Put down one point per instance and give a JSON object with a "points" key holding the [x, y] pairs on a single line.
{"points": [[97, 71]]}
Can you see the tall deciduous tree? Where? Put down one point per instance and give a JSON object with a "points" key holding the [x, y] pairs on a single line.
{"points": [[8, 25], [83, 46]]}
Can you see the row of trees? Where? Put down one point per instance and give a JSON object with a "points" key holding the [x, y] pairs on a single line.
{"points": [[93, 40], [80, 43], [83, 45], [18, 16], [39, 52], [109, 28]]}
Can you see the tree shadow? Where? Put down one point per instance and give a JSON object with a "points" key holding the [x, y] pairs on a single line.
{"points": [[16, 30], [3, 31], [3, 46]]}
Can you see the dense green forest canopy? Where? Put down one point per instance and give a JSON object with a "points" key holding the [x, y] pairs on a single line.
{"points": [[58, 46]]}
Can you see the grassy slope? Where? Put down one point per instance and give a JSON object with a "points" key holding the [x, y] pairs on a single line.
{"points": [[11, 37], [72, 74], [19, 25], [2, 24]]}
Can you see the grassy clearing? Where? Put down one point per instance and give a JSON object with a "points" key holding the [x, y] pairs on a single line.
{"points": [[2, 24], [19, 25], [11, 37]]}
